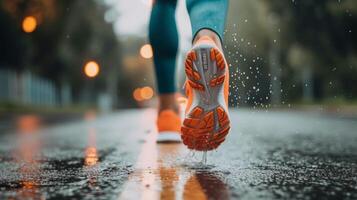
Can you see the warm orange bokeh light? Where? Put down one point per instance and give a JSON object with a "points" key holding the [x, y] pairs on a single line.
{"points": [[137, 94], [29, 24], [144, 93], [91, 69], [146, 51], [147, 93]]}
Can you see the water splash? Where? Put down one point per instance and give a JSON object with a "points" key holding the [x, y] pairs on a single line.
{"points": [[204, 158]]}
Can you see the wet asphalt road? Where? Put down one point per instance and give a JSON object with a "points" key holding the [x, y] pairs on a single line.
{"points": [[268, 155]]}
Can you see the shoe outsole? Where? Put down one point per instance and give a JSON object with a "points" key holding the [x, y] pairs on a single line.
{"points": [[207, 122], [168, 137]]}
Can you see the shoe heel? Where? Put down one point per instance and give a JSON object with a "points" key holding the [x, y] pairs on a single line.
{"points": [[207, 123]]}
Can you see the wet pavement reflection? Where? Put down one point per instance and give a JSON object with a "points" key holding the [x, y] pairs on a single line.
{"points": [[205, 185], [56, 163], [162, 172], [276, 155], [27, 155]]}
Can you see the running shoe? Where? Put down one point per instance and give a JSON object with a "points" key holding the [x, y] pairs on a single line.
{"points": [[169, 127], [206, 122]]}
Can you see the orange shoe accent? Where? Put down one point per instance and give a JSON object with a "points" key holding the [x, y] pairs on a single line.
{"points": [[217, 81], [198, 132], [215, 54], [189, 95], [207, 123], [226, 87], [191, 122], [196, 76], [168, 120], [222, 117], [197, 112], [196, 85], [191, 73], [192, 56]]}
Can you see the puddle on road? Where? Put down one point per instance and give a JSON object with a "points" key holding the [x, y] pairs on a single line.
{"points": [[36, 169], [72, 177], [160, 173]]}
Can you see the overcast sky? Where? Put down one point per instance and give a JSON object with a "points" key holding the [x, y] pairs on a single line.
{"points": [[131, 17]]}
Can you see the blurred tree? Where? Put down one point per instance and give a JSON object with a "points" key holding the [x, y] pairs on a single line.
{"points": [[248, 40], [13, 51], [69, 33], [314, 45], [324, 29]]}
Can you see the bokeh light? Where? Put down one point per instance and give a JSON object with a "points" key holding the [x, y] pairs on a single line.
{"points": [[147, 92], [146, 51], [137, 94], [91, 69], [29, 24], [144, 93]]}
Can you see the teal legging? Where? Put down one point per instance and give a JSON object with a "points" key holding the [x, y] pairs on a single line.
{"points": [[204, 14]]}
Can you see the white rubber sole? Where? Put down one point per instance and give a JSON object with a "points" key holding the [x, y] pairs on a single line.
{"points": [[168, 137]]}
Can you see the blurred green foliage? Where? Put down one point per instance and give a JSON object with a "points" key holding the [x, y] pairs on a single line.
{"points": [[315, 35]]}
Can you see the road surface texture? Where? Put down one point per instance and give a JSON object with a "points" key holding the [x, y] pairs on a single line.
{"points": [[268, 155]]}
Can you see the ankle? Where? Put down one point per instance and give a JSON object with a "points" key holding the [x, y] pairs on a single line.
{"points": [[168, 102], [210, 34]]}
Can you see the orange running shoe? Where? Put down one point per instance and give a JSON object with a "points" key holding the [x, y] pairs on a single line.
{"points": [[169, 127], [206, 122]]}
